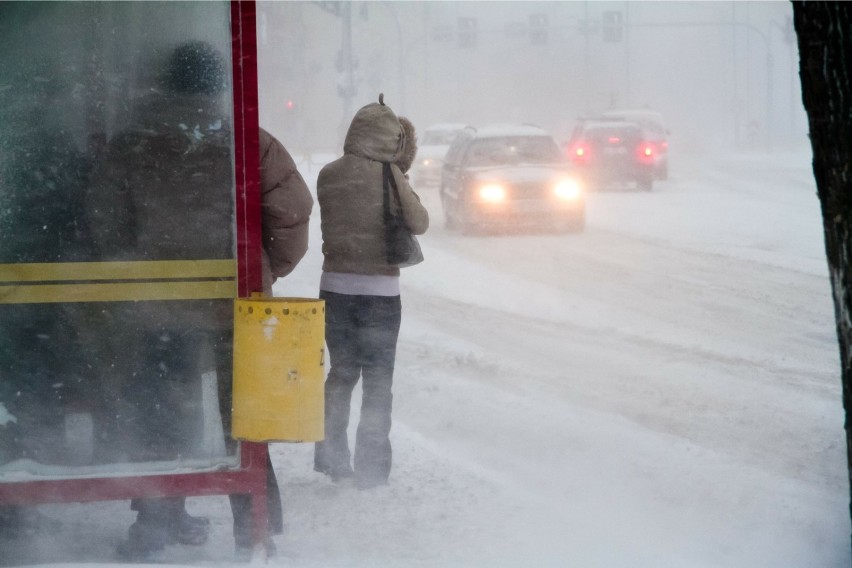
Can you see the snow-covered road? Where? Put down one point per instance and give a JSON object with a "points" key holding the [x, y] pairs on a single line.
{"points": [[661, 390]]}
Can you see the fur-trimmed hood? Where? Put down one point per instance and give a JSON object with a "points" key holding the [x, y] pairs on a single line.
{"points": [[409, 150], [351, 194], [375, 134]]}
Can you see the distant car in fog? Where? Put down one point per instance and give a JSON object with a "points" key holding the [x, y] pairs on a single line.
{"points": [[655, 132], [506, 175], [433, 144], [613, 152]]}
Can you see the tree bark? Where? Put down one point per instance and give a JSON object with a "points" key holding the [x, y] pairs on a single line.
{"points": [[824, 31]]}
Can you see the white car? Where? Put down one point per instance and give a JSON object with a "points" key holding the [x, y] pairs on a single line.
{"points": [[432, 146], [502, 176]]}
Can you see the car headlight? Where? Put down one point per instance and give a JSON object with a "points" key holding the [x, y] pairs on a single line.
{"points": [[492, 193], [567, 189], [431, 163]]}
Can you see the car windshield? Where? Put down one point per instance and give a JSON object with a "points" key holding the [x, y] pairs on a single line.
{"points": [[439, 137], [654, 130], [513, 150], [599, 134], [645, 120]]}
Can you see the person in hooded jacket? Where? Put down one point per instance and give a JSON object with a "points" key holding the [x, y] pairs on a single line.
{"points": [[361, 291], [163, 190]]}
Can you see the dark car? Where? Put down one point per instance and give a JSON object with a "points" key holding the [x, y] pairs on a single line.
{"points": [[655, 131], [509, 175], [613, 152]]}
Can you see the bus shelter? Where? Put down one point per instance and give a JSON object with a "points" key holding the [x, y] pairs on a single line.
{"points": [[129, 214]]}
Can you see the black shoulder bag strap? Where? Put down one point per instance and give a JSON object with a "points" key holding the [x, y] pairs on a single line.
{"points": [[402, 246], [389, 183]]}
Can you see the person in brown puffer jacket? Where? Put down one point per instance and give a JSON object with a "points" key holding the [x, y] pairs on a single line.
{"points": [[286, 205], [361, 291], [164, 191]]}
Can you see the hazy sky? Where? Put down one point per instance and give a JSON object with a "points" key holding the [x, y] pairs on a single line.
{"points": [[702, 64]]}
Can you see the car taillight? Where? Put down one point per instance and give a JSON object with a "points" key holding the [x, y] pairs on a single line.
{"points": [[647, 151], [579, 152]]}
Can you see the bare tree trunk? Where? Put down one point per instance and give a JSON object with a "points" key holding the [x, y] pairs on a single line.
{"points": [[824, 31]]}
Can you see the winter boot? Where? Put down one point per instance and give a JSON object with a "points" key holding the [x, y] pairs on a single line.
{"points": [[144, 541], [191, 530]]}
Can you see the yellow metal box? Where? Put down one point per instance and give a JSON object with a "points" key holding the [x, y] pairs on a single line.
{"points": [[279, 360]]}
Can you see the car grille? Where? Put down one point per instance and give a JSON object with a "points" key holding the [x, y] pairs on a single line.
{"points": [[520, 191]]}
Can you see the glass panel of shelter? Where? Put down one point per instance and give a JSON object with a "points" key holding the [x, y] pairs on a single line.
{"points": [[117, 257]]}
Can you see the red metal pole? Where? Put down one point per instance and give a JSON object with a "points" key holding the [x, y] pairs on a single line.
{"points": [[247, 153], [254, 457], [247, 145]]}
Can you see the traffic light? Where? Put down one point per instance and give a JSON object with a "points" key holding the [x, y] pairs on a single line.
{"points": [[613, 26], [467, 32], [538, 29]]}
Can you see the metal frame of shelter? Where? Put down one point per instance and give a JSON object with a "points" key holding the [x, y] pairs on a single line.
{"points": [[250, 477]]}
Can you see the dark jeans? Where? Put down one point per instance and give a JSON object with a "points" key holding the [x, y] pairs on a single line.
{"points": [[165, 422], [361, 334]]}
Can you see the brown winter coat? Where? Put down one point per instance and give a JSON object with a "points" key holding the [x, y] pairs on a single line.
{"points": [[165, 191], [286, 205], [350, 195]]}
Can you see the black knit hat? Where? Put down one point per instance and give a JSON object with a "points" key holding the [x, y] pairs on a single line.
{"points": [[196, 68]]}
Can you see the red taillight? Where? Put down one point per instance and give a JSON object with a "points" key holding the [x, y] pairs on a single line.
{"points": [[579, 152], [647, 151], [614, 140]]}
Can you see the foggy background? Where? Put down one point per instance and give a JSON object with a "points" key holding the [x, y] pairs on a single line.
{"points": [[723, 74], [660, 390]]}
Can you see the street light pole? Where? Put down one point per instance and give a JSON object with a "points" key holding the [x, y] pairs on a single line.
{"points": [[586, 54], [347, 90], [733, 25], [345, 63], [735, 78], [400, 58], [628, 99]]}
